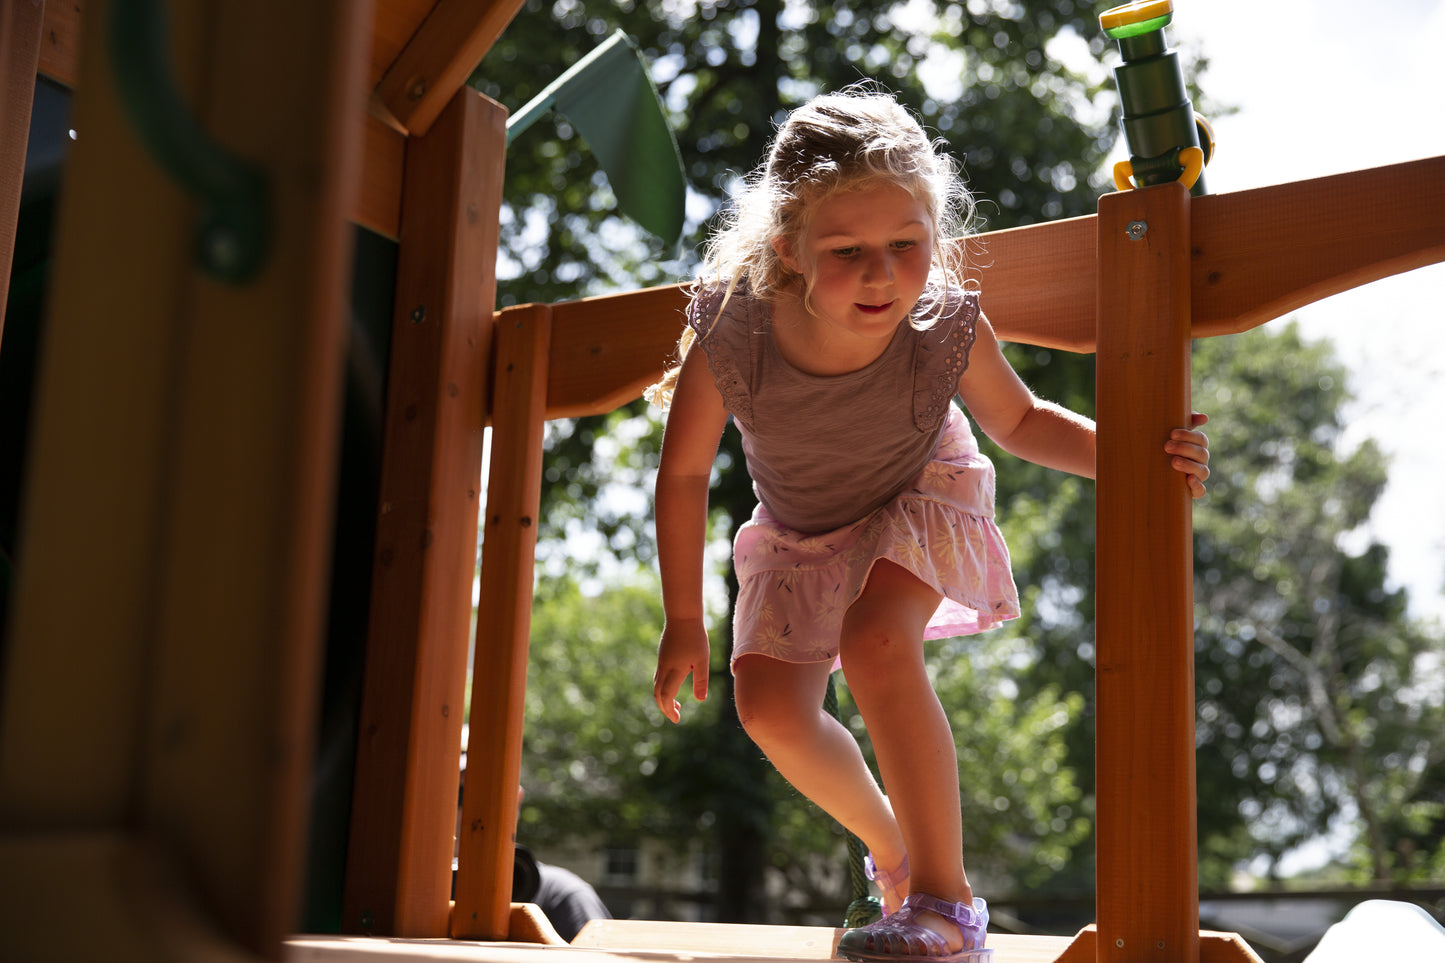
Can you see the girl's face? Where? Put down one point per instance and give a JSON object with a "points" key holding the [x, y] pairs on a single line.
{"points": [[864, 257]]}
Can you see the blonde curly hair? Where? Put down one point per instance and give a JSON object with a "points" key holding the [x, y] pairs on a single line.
{"points": [[840, 141]]}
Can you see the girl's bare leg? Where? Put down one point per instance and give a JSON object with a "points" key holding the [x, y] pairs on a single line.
{"points": [[882, 652], [780, 704]]}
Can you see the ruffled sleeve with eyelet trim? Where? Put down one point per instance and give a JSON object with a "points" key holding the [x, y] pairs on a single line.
{"points": [[725, 340], [942, 357]]}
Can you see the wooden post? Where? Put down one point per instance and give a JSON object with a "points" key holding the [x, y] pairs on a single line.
{"points": [[160, 693], [1148, 889], [398, 876], [504, 616], [20, 23]]}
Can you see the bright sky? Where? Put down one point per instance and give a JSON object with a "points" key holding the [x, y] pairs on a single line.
{"points": [[1323, 88]]}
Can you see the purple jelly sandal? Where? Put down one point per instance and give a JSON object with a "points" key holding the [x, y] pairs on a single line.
{"points": [[886, 881], [900, 938]]}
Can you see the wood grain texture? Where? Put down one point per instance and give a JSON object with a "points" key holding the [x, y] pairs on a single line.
{"points": [[407, 766], [1147, 870], [440, 56], [504, 614], [196, 421], [21, 22]]}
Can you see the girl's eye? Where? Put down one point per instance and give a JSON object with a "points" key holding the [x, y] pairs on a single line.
{"points": [[904, 245], [844, 251]]}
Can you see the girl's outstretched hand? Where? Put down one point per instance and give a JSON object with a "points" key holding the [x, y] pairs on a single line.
{"points": [[683, 651], [1189, 451]]}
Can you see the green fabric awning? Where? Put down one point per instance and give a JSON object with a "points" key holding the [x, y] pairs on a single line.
{"points": [[610, 100]]}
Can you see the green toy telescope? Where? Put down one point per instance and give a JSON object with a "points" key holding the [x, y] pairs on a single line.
{"points": [[1167, 141]]}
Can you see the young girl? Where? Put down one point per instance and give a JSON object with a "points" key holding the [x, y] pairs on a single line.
{"points": [[835, 332]]}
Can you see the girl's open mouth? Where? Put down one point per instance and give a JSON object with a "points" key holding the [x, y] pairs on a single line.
{"points": [[874, 308]]}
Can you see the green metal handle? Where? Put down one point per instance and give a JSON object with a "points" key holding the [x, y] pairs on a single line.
{"points": [[233, 235]]}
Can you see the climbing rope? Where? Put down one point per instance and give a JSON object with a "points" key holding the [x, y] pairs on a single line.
{"points": [[865, 908]]}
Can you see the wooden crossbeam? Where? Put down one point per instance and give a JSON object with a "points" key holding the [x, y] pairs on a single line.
{"points": [[439, 58], [1259, 254], [1254, 255]]}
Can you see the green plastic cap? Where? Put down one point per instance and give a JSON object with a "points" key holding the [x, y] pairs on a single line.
{"points": [[1136, 19]]}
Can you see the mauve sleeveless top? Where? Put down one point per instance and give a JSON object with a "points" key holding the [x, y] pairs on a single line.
{"points": [[824, 451]]}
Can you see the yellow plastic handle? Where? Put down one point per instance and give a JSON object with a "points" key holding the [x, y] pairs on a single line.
{"points": [[1193, 160], [1124, 176], [1191, 157]]}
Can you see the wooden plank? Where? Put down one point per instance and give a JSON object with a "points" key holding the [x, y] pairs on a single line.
{"points": [[1147, 873], [100, 438], [1256, 255], [20, 26], [649, 939], [393, 25], [609, 348], [606, 350], [486, 840], [60, 41], [378, 199], [405, 799], [198, 426], [1038, 282], [741, 939], [1261, 254], [1213, 948], [325, 949], [453, 39]]}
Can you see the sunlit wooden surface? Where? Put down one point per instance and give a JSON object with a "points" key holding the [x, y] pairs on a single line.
{"points": [[620, 941]]}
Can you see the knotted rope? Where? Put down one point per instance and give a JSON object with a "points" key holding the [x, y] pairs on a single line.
{"points": [[865, 908]]}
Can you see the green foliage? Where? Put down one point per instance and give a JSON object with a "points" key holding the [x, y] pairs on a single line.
{"points": [[594, 744], [1317, 697]]}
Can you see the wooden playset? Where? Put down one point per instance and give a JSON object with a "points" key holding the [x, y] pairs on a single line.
{"points": [[159, 706]]}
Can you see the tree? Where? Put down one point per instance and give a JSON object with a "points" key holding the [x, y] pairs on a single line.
{"points": [[1318, 699]]}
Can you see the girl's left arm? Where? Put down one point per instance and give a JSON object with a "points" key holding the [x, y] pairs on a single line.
{"points": [[1048, 434]]}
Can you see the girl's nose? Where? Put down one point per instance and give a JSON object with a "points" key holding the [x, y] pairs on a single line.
{"points": [[877, 268]]}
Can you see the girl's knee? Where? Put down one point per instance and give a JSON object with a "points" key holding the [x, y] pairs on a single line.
{"points": [[874, 639], [770, 701], [884, 627], [761, 707]]}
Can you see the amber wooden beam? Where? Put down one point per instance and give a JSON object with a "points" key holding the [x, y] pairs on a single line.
{"points": [[504, 615], [1260, 254], [20, 24], [439, 58], [1254, 256], [162, 713], [60, 42], [1213, 948], [1147, 875], [398, 873]]}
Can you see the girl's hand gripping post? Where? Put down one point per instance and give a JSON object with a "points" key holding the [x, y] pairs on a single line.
{"points": [[683, 651], [1189, 453]]}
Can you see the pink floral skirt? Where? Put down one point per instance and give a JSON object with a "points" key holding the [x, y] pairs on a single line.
{"points": [[795, 587]]}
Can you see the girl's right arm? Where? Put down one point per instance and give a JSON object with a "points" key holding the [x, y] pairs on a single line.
{"points": [[695, 425]]}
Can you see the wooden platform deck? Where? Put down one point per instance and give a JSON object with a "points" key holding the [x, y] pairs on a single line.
{"points": [[616, 941]]}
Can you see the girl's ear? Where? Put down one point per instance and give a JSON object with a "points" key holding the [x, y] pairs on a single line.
{"points": [[784, 251]]}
